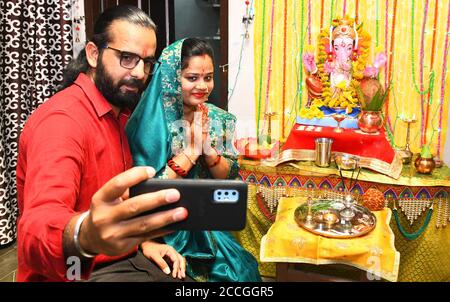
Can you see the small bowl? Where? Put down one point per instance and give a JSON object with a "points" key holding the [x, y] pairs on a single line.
{"points": [[330, 218], [326, 216], [346, 161]]}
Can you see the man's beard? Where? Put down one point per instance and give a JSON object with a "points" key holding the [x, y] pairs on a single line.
{"points": [[113, 94]]}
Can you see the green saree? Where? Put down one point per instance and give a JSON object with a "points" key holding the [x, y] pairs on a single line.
{"points": [[155, 134]]}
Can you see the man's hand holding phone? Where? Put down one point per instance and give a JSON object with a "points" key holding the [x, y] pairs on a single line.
{"points": [[115, 223], [213, 204]]}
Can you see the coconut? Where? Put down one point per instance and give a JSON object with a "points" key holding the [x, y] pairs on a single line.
{"points": [[373, 199], [369, 88]]}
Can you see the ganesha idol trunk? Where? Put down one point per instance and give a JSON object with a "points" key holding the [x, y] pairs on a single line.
{"points": [[370, 121]]}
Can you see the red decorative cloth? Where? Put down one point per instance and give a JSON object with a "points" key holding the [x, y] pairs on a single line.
{"points": [[373, 150]]}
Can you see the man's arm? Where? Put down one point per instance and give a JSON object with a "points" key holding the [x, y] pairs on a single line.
{"points": [[47, 224], [111, 227], [53, 157]]}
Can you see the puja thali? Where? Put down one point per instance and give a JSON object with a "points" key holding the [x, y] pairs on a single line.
{"points": [[327, 218]]}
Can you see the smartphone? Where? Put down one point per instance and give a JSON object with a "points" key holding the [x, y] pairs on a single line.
{"points": [[212, 204]]}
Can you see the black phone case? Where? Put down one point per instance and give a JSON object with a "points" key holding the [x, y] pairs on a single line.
{"points": [[197, 198]]}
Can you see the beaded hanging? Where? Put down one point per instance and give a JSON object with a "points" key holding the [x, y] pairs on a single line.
{"points": [[413, 208], [272, 195], [442, 213]]}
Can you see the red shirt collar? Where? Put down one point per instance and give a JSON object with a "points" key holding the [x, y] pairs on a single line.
{"points": [[98, 101]]}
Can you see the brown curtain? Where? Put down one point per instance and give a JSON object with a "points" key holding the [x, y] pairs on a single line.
{"points": [[35, 45]]}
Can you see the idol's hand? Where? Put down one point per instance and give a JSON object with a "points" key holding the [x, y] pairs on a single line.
{"points": [[309, 63], [371, 72]]}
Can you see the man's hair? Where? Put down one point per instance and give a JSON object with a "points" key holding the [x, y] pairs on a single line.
{"points": [[102, 35], [193, 47]]}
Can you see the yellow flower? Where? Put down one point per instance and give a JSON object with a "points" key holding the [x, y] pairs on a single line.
{"points": [[348, 95], [332, 103], [349, 109], [326, 93], [342, 85]]}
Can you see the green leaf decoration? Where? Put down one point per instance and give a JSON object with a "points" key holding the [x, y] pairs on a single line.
{"points": [[426, 152], [361, 97]]}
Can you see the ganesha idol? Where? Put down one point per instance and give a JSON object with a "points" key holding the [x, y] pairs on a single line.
{"points": [[340, 80]]}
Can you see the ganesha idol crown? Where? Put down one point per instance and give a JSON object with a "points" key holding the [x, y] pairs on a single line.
{"points": [[344, 30]]}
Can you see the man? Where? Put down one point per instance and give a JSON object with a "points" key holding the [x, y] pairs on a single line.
{"points": [[73, 173]]}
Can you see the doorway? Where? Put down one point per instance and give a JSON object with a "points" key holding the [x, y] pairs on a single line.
{"points": [[176, 19]]}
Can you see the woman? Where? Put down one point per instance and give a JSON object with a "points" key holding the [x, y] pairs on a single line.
{"points": [[177, 133]]}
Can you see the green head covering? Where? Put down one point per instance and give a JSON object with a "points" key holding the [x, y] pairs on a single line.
{"points": [[161, 105]]}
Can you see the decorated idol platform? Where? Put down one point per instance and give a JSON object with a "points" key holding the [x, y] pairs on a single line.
{"points": [[349, 157]]}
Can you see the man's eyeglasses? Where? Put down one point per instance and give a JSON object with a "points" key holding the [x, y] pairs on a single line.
{"points": [[130, 60]]}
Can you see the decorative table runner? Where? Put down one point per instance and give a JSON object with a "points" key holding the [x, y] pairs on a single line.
{"points": [[308, 175]]}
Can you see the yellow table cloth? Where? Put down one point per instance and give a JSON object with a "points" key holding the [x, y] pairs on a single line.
{"points": [[287, 242]]}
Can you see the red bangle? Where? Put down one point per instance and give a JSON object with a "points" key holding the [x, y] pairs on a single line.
{"points": [[176, 168], [216, 161]]}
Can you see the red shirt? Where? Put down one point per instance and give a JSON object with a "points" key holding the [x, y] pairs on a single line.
{"points": [[70, 146]]}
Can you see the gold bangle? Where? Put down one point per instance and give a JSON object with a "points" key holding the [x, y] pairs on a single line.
{"points": [[190, 159]]}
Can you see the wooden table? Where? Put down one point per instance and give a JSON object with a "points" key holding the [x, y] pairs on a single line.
{"points": [[303, 272]]}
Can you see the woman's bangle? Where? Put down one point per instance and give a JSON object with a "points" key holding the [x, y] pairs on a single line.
{"points": [[187, 156], [216, 161], [76, 238], [177, 168]]}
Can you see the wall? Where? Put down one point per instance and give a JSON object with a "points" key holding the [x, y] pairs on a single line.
{"points": [[197, 18], [241, 93], [446, 153]]}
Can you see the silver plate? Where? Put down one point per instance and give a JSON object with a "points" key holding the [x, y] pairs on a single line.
{"points": [[325, 219]]}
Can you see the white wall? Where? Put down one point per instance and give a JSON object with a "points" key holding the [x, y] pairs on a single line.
{"points": [[242, 102], [446, 153]]}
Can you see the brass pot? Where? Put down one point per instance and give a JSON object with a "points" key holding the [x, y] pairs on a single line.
{"points": [[424, 165], [370, 121]]}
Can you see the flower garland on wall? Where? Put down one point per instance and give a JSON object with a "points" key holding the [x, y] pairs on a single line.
{"points": [[444, 77], [262, 57], [431, 82]]}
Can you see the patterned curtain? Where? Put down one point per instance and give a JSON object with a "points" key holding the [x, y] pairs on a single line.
{"points": [[35, 46], [78, 26]]}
